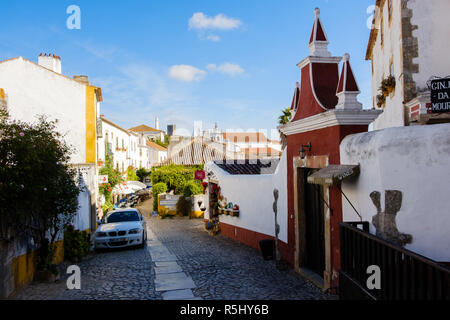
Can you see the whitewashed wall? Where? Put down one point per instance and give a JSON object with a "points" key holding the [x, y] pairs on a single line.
{"points": [[254, 195], [433, 23], [391, 50], [414, 160], [33, 90]]}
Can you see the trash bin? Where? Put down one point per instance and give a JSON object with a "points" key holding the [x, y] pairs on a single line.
{"points": [[267, 249]]}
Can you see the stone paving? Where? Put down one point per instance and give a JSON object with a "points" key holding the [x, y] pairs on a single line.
{"points": [[181, 261], [224, 269], [110, 275]]}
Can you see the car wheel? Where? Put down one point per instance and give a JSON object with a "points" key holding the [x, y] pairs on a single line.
{"points": [[143, 241]]}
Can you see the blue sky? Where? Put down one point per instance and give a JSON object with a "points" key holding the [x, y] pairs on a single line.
{"points": [[233, 63]]}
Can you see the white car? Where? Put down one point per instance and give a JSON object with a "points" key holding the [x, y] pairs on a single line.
{"points": [[121, 228]]}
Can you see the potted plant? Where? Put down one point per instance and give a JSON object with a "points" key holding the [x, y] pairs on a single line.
{"points": [[383, 88], [204, 185], [390, 83], [381, 99]]}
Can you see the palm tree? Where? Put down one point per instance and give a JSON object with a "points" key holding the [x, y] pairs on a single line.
{"points": [[285, 118]]}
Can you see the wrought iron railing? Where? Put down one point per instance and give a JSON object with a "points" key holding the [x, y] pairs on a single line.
{"points": [[405, 275]]}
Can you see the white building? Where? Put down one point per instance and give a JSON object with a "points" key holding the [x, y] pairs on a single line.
{"points": [[409, 40], [34, 89], [127, 148], [253, 144], [157, 153], [30, 89], [250, 144], [149, 132]]}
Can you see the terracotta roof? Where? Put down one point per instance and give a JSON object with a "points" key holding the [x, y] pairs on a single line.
{"points": [[144, 128], [196, 152], [238, 167], [241, 137], [113, 124], [262, 151], [156, 146]]}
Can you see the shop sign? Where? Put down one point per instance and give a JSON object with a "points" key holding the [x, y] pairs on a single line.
{"points": [[440, 95]]}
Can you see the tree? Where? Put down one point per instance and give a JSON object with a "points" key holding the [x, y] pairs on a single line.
{"points": [[142, 174], [38, 187], [165, 143], [114, 178], [286, 116]]}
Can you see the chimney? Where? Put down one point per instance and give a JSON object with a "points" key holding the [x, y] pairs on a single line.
{"points": [[156, 123], [81, 79], [50, 61]]}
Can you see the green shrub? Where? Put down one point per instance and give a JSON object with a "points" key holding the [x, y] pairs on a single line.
{"points": [[142, 174], [131, 174], [158, 188], [174, 176], [76, 244], [192, 188]]}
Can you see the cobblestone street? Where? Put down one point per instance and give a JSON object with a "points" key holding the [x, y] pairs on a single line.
{"points": [[220, 268]]}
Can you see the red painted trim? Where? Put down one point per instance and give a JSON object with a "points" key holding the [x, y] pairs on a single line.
{"points": [[325, 77], [415, 108], [351, 85], [325, 142], [320, 35], [252, 238]]}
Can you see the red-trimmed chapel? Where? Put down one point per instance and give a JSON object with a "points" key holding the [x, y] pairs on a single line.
{"points": [[325, 110]]}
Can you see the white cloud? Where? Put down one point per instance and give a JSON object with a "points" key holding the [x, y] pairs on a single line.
{"points": [[213, 38], [228, 68], [186, 73], [200, 21]]}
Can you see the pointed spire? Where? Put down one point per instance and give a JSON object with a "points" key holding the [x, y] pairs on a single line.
{"points": [[296, 98], [347, 90], [318, 41]]}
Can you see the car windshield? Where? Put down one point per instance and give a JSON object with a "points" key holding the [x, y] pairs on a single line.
{"points": [[122, 216]]}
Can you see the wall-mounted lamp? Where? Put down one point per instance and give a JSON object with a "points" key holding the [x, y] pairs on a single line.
{"points": [[302, 151]]}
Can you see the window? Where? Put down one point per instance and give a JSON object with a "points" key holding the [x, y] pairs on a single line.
{"points": [[391, 68], [122, 216]]}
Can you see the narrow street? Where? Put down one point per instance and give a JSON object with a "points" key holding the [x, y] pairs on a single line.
{"points": [[181, 261]]}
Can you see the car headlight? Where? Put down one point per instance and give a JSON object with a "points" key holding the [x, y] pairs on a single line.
{"points": [[100, 234], [134, 231]]}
